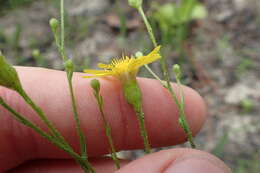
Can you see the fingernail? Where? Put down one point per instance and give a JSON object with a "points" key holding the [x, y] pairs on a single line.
{"points": [[194, 165]]}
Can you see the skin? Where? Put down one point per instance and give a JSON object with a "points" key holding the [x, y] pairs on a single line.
{"points": [[24, 151]]}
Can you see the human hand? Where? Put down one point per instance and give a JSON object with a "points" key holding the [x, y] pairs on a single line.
{"points": [[24, 151]]}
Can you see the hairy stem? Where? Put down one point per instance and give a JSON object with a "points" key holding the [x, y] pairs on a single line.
{"points": [[183, 121], [143, 130], [21, 118]]}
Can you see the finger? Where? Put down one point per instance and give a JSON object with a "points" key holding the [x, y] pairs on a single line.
{"points": [[104, 165], [49, 90], [177, 161]]}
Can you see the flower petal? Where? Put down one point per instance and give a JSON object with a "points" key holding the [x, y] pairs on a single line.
{"points": [[105, 66], [124, 67], [151, 57], [90, 71], [97, 73]]}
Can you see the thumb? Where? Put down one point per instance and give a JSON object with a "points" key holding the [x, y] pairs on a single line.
{"points": [[177, 161]]}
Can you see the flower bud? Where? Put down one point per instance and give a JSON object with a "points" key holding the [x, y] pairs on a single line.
{"points": [[139, 54], [177, 71], [8, 75], [36, 53], [95, 85], [135, 3], [54, 23], [133, 94], [69, 66]]}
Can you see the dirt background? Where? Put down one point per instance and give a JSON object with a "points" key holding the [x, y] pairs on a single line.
{"points": [[223, 61]]}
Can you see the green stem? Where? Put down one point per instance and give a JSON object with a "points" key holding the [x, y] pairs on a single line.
{"points": [[143, 130], [148, 26], [152, 37], [155, 44], [19, 117], [167, 79], [110, 140], [107, 126], [133, 95], [69, 72], [154, 75], [62, 34], [112, 146], [76, 117], [43, 117], [182, 120]]}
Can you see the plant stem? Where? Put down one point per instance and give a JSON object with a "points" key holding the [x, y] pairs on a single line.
{"points": [[62, 34], [182, 120], [78, 126], [148, 26], [43, 117], [19, 117], [95, 84], [133, 95], [110, 139], [69, 72], [167, 79], [150, 31], [154, 75], [155, 44], [186, 128], [140, 115]]}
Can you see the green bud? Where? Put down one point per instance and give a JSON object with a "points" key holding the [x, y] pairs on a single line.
{"points": [[8, 75], [177, 71], [133, 94], [95, 85], [135, 3], [54, 23], [36, 53], [199, 12], [138, 54], [69, 67]]}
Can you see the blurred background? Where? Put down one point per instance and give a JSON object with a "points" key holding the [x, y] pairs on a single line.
{"points": [[217, 43]]}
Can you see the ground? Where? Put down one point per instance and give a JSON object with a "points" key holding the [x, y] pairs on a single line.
{"points": [[222, 60]]}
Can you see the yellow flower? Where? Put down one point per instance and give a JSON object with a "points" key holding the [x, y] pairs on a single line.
{"points": [[125, 68]]}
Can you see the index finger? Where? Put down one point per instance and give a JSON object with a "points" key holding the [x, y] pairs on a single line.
{"points": [[48, 88]]}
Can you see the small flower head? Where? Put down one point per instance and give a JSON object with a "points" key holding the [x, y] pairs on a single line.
{"points": [[177, 70], [95, 85], [135, 3], [8, 75], [54, 23], [36, 53], [125, 68]]}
